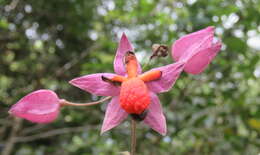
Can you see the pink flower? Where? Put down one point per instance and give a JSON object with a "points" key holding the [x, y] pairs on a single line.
{"points": [[197, 50], [132, 92], [41, 106]]}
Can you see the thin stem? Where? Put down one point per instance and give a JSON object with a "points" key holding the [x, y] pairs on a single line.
{"points": [[64, 102], [133, 137]]}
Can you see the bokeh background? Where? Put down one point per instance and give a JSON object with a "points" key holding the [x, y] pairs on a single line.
{"points": [[44, 44]]}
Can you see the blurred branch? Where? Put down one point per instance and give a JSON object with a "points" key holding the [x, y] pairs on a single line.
{"points": [[12, 5], [53, 133], [17, 123], [76, 60], [32, 129]]}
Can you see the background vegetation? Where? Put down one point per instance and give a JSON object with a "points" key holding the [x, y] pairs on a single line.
{"points": [[44, 44]]}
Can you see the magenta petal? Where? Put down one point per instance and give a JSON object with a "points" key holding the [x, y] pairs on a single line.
{"points": [[40, 106], [155, 117], [124, 46], [200, 61], [94, 84], [185, 46], [170, 74], [114, 115]]}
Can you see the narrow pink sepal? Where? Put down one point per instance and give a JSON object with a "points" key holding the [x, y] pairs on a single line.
{"points": [[170, 74], [155, 117], [114, 115], [200, 61], [186, 44], [41, 106], [123, 47], [94, 84]]}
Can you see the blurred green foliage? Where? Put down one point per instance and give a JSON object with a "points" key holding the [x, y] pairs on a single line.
{"points": [[44, 44]]}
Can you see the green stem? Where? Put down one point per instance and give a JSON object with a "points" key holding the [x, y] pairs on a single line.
{"points": [[133, 137]]}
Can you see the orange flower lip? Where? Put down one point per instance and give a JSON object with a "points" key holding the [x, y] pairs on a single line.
{"points": [[134, 94]]}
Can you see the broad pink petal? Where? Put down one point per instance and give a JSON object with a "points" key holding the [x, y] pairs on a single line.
{"points": [[41, 106], [170, 74], [123, 47], [94, 84], [200, 61], [185, 46], [155, 117], [114, 115]]}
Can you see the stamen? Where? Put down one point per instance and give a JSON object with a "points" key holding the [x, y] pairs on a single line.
{"points": [[119, 78], [151, 75], [131, 64], [115, 83]]}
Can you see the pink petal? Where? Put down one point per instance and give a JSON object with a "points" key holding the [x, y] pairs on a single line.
{"points": [[114, 115], [94, 84], [155, 117], [200, 61], [170, 74], [124, 46], [185, 45], [40, 106]]}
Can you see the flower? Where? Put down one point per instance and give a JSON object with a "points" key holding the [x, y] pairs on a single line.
{"points": [[197, 50], [41, 106], [132, 92]]}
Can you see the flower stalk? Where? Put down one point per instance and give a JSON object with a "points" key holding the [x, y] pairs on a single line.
{"points": [[133, 137], [64, 102]]}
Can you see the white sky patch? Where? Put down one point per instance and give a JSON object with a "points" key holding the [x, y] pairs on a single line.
{"points": [[215, 18], [167, 139], [219, 31], [173, 27], [12, 27], [239, 4], [141, 56], [190, 2], [223, 47], [101, 11], [174, 15], [31, 33], [254, 42], [59, 43], [131, 34], [166, 10], [110, 5], [251, 33], [45, 36], [257, 72], [238, 33], [28, 8], [218, 75], [93, 35], [229, 21]]}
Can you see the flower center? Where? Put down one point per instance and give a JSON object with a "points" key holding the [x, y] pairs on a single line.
{"points": [[134, 94]]}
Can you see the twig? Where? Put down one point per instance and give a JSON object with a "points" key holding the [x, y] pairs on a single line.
{"points": [[67, 103], [32, 129], [133, 136], [76, 60], [52, 133], [12, 138], [12, 5]]}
